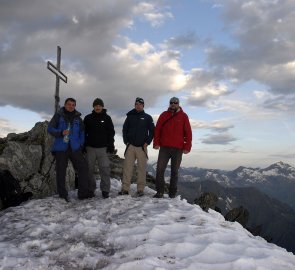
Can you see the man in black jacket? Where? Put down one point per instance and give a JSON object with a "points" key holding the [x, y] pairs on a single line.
{"points": [[99, 140], [138, 132]]}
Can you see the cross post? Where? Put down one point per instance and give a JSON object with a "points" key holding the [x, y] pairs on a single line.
{"points": [[59, 76]]}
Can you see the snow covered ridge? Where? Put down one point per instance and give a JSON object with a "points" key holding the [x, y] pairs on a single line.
{"points": [[126, 233], [275, 170]]}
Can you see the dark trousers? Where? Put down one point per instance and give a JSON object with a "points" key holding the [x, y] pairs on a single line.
{"points": [[165, 154], [80, 165]]}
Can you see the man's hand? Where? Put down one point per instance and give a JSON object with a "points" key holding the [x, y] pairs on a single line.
{"points": [[157, 147], [111, 149], [65, 132]]}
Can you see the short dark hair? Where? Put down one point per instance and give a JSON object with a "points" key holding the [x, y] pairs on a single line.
{"points": [[70, 99]]}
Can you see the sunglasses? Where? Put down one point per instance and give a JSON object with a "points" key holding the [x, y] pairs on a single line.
{"points": [[173, 102]]}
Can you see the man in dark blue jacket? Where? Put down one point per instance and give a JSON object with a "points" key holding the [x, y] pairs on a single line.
{"points": [[138, 132], [67, 127], [99, 140]]}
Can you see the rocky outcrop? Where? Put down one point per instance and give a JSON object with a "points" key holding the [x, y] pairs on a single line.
{"points": [[207, 200], [27, 156], [238, 214]]}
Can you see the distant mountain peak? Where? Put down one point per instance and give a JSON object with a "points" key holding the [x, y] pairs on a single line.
{"points": [[280, 167], [282, 164], [241, 168]]}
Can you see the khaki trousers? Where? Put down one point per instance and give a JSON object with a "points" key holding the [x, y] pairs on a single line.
{"points": [[134, 153]]}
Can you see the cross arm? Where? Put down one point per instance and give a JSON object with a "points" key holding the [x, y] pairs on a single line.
{"points": [[57, 72]]}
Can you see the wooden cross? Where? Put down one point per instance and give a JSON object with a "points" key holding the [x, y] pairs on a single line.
{"points": [[59, 75]]}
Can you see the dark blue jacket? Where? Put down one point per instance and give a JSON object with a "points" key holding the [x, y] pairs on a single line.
{"points": [[138, 128], [59, 123]]}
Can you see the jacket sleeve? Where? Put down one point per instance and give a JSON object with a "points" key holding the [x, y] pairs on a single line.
{"points": [[151, 128], [187, 135], [157, 131], [85, 124], [82, 133], [86, 129], [53, 126], [111, 132], [125, 131]]}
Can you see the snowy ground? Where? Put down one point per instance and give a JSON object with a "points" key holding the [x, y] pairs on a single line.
{"points": [[125, 232]]}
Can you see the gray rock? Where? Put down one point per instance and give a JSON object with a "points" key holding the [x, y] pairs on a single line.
{"points": [[207, 200], [21, 158], [239, 214], [27, 156]]}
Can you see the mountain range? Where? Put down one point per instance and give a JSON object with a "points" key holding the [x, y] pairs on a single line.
{"points": [[277, 180]]}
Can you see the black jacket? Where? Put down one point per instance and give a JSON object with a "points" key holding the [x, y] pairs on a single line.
{"points": [[99, 130], [138, 128]]}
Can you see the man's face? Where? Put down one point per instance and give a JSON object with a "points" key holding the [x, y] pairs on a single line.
{"points": [[139, 106], [174, 106], [98, 108], [70, 106]]}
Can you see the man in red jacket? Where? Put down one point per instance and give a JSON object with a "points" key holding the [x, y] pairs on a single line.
{"points": [[173, 136]]}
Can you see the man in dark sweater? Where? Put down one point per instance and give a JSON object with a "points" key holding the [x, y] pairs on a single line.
{"points": [[138, 132], [99, 140]]}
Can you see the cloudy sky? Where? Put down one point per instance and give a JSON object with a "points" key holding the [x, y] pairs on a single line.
{"points": [[231, 63]]}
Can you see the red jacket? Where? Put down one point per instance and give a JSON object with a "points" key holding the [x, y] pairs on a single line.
{"points": [[175, 132]]}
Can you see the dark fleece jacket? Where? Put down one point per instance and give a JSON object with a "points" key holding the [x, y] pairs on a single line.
{"points": [[99, 130]]}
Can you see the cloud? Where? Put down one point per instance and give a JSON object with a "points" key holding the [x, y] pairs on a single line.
{"points": [[97, 61], [233, 150], [186, 41], [204, 87], [151, 13], [280, 103], [222, 138], [6, 127], [264, 40], [262, 106], [221, 126], [217, 125], [283, 155], [201, 96]]}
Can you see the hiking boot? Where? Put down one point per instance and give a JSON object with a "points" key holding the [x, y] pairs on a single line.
{"points": [[123, 192], [66, 198], [91, 194], [159, 195], [140, 193], [172, 193], [105, 194], [83, 197]]}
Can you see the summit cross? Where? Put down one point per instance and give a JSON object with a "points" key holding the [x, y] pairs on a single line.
{"points": [[59, 76]]}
